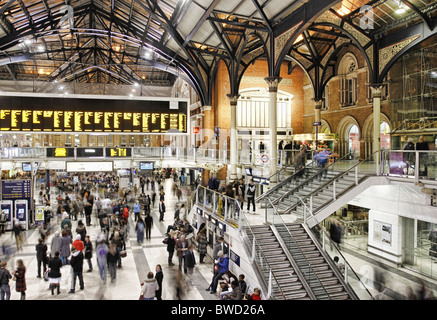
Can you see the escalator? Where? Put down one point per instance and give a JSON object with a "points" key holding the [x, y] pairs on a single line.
{"points": [[287, 285], [301, 271], [323, 270]]}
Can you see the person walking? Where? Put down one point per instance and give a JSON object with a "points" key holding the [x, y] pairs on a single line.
{"points": [[161, 210], [54, 274], [17, 229], [81, 229], [41, 256], [5, 275], [77, 269], [149, 224], [65, 247], [202, 244], [56, 244], [149, 287], [112, 257], [101, 257], [171, 244], [251, 188], [190, 259], [88, 252], [159, 276], [181, 250], [139, 228], [137, 209]]}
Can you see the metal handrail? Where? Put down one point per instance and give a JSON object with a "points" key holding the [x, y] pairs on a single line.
{"points": [[293, 262], [323, 185], [243, 216], [279, 185], [259, 250], [335, 245], [309, 179]]}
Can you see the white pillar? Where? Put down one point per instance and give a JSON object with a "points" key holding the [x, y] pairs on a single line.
{"points": [[234, 140], [273, 83]]}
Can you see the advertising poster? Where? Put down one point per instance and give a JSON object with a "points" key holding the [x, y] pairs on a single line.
{"points": [[382, 232]]}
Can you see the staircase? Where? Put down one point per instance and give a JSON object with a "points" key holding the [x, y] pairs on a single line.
{"points": [[318, 194], [326, 276], [287, 285]]}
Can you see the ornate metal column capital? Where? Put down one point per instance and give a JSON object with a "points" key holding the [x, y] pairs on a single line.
{"points": [[233, 98], [318, 104], [376, 91], [273, 83]]}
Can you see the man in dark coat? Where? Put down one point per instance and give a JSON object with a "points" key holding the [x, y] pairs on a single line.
{"points": [[41, 256], [77, 265], [149, 223], [161, 210]]}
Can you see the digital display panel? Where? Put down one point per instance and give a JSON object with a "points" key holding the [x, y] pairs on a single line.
{"points": [[91, 115], [146, 165], [27, 166], [104, 166], [60, 152], [118, 152], [89, 152]]}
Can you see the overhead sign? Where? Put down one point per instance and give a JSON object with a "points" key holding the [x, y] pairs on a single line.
{"points": [[16, 189], [89, 152], [72, 114], [90, 166], [60, 152], [118, 152]]}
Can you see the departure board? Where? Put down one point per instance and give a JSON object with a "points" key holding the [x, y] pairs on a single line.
{"points": [[91, 115]]}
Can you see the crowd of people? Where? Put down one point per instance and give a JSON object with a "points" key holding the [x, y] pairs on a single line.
{"points": [[239, 190], [91, 201]]}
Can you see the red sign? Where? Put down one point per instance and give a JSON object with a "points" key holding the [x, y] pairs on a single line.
{"points": [[196, 130]]}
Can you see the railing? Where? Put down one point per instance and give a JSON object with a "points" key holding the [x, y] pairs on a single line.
{"points": [[304, 267], [292, 177], [410, 164], [367, 166], [226, 207], [311, 182], [258, 257], [350, 276]]}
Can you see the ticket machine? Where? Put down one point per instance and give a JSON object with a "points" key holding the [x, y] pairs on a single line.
{"points": [[22, 213], [6, 206]]}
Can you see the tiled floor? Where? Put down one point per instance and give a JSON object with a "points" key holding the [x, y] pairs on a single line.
{"points": [[144, 258]]}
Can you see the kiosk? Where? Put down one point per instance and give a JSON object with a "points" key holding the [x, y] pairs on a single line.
{"points": [[6, 206], [22, 213]]}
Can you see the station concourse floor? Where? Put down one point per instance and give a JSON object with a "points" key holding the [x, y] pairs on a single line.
{"points": [[143, 258]]}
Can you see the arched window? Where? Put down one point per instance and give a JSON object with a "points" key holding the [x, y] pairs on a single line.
{"points": [[354, 139], [385, 136], [348, 80], [253, 109]]}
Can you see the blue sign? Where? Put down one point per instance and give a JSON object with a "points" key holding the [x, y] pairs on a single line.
{"points": [[234, 257], [17, 190]]}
